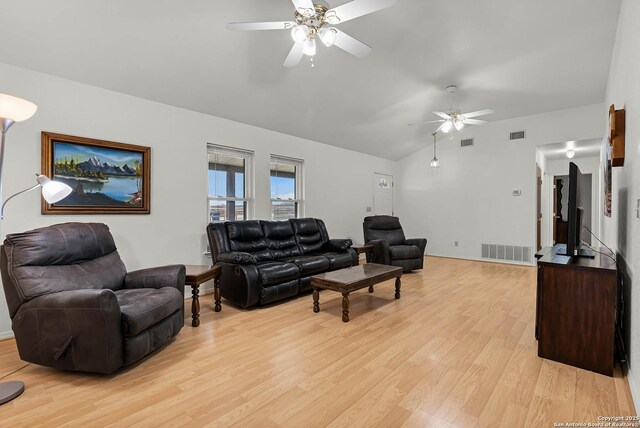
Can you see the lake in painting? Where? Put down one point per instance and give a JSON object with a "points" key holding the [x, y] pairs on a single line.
{"points": [[98, 176]]}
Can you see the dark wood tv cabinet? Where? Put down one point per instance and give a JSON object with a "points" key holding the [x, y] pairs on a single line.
{"points": [[576, 310]]}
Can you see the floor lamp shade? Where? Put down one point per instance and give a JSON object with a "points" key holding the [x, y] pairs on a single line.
{"points": [[53, 191], [16, 109]]}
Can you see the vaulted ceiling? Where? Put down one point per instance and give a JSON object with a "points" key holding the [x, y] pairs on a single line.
{"points": [[518, 57]]}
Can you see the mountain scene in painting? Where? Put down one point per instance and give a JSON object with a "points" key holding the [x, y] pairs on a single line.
{"points": [[98, 176]]}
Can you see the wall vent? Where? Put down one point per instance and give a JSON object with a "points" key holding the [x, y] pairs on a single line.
{"points": [[512, 253], [517, 135], [466, 143]]}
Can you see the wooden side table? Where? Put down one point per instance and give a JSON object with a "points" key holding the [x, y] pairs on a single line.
{"points": [[199, 274], [366, 249]]}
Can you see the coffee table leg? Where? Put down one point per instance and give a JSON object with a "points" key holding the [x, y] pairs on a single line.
{"points": [[216, 294], [397, 287], [195, 305], [371, 289], [345, 307], [316, 298]]}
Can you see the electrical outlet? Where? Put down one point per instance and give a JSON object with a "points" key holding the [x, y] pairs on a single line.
{"points": [[455, 243], [516, 192]]}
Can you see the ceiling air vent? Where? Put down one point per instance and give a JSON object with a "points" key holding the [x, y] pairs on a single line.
{"points": [[466, 143], [516, 135]]}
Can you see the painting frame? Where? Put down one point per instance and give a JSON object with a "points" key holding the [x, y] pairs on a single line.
{"points": [[141, 200]]}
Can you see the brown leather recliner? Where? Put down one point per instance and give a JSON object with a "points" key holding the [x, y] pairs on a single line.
{"points": [[73, 305]]}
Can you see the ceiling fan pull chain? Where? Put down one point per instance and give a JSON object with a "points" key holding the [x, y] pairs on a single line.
{"points": [[312, 64]]}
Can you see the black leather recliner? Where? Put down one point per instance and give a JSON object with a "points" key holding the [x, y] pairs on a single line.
{"points": [[73, 306], [390, 247], [266, 261]]}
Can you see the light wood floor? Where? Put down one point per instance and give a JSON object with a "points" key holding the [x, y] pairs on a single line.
{"points": [[457, 349]]}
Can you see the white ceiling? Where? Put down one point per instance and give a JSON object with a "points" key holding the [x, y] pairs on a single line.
{"points": [[582, 149], [517, 57]]}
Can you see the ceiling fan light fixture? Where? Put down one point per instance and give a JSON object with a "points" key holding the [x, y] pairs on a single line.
{"points": [[458, 124], [328, 36], [446, 126], [331, 17], [299, 33], [309, 47]]}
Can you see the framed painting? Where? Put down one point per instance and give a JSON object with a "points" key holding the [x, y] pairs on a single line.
{"points": [[105, 177]]}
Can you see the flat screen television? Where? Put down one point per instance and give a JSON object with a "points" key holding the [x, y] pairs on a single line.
{"points": [[575, 217]]}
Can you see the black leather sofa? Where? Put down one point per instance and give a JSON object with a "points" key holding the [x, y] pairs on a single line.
{"points": [[390, 247], [267, 261]]}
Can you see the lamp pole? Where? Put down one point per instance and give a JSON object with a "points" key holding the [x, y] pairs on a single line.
{"points": [[6, 124]]}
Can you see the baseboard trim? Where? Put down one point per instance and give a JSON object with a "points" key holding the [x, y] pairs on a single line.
{"points": [[6, 335], [473, 259]]}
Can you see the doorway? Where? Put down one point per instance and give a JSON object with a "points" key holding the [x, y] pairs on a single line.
{"points": [[382, 194]]}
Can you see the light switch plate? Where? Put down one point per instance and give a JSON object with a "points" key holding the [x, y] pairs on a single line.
{"points": [[638, 209], [516, 192]]}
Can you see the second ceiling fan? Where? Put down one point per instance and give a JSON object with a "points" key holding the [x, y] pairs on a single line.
{"points": [[454, 118], [315, 19]]}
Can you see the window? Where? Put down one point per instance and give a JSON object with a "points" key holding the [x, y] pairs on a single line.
{"points": [[229, 184], [286, 188]]}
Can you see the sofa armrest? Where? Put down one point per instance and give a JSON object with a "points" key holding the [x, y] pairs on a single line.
{"points": [[240, 284], [157, 277], [380, 251], [71, 330], [337, 245], [238, 258]]}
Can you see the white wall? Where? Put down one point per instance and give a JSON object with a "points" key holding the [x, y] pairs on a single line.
{"points": [[468, 198], [622, 230], [338, 182]]}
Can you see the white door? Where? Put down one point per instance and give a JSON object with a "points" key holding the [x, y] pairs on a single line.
{"points": [[382, 194]]}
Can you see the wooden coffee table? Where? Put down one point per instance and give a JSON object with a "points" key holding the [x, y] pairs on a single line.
{"points": [[351, 279], [196, 275]]}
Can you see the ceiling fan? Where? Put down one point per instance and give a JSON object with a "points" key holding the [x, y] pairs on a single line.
{"points": [[314, 19], [454, 118]]}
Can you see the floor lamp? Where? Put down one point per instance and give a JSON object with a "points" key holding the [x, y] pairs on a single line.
{"points": [[14, 110]]}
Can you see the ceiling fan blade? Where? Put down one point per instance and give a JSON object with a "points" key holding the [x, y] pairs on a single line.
{"points": [[251, 26], [474, 121], [430, 121], [295, 55], [443, 115], [349, 44], [356, 9], [478, 113], [305, 7]]}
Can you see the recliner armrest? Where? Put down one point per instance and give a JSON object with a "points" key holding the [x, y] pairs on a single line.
{"points": [[381, 252], [87, 321], [102, 299], [417, 242], [337, 245], [237, 258], [157, 277]]}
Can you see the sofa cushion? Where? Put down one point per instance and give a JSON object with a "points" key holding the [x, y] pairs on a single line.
{"points": [[309, 265], [339, 260], [248, 237], [276, 272], [403, 252], [280, 239], [308, 234], [143, 307]]}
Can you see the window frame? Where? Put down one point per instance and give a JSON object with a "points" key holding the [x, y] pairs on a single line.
{"points": [[299, 183], [248, 157]]}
